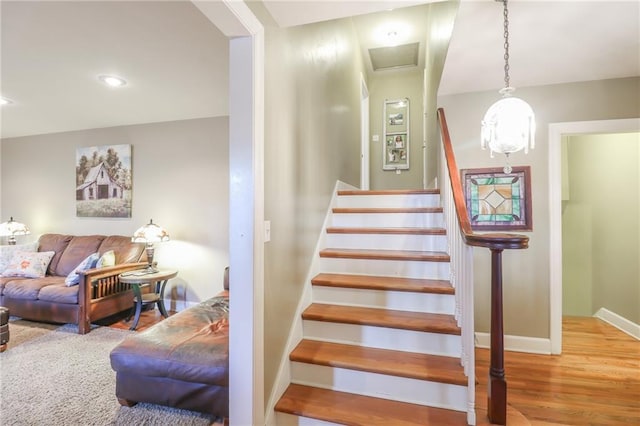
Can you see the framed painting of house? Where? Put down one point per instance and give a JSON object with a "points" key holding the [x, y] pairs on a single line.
{"points": [[103, 181], [395, 154], [498, 201]]}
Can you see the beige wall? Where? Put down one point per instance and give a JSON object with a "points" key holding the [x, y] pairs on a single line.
{"points": [[526, 272], [312, 139], [180, 180], [391, 85], [439, 27], [600, 222]]}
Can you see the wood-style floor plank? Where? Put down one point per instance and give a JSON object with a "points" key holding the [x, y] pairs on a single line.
{"points": [[418, 366], [387, 191], [371, 282], [358, 410], [416, 321], [367, 210], [404, 255], [387, 231]]}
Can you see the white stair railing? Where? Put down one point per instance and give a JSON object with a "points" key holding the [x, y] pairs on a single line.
{"points": [[461, 277]]}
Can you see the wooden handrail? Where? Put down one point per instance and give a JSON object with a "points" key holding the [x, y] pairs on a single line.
{"points": [[496, 242]]}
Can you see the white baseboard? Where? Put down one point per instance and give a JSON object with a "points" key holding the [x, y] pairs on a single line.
{"points": [[533, 345], [621, 323]]}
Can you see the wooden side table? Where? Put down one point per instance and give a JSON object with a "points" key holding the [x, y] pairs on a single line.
{"points": [[158, 281]]}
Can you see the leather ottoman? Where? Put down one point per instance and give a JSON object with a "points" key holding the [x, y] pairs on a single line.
{"points": [[4, 328]]}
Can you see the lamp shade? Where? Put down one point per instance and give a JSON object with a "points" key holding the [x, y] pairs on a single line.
{"points": [[12, 228], [150, 233], [509, 126]]}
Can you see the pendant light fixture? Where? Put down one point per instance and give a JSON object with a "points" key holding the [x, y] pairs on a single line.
{"points": [[509, 124]]}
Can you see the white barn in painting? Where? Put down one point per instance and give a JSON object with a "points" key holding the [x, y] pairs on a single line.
{"points": [[98, 185]]}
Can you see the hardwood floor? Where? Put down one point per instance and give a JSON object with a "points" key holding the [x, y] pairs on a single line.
{"points": [[596, 380], [147, 319]]}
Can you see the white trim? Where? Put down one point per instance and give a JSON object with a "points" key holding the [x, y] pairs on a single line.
{"points": [[364, 134], [283, 377], [246, 206], [532, 345], [619, 322], [556, 131]]}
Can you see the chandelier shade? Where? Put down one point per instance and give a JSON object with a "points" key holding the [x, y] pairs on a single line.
{"points": [[508, 126]]}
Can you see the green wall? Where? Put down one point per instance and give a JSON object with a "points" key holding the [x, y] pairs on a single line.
{"points": [[600, 226]]}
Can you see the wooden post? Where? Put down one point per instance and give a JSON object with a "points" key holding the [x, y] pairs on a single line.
{"points": [[497, 384]]}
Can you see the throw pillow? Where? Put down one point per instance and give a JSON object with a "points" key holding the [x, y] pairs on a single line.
{"points": [[7, 252], [108, 258], [89, 262], [28, 264]]}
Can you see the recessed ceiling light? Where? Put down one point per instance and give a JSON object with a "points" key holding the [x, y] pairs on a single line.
{"points": [[112, 80], [5, 101]]}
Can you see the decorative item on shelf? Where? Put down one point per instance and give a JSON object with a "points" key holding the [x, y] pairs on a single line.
{"points": [[509, 124], [11, 229], [149, 234]]}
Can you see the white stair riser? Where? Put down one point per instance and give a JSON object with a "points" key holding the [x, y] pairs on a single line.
{"points": [[387, 241], [285, 419], [388, 201], [383, 338], [397, 300], [388, 220], [443, 395], [387, 268]]}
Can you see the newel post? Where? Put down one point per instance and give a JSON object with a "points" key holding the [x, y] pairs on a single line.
{"points": [[497, 384]]}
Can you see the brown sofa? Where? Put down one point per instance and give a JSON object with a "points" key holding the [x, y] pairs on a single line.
{"points": [[182, 361], [99, 293]]}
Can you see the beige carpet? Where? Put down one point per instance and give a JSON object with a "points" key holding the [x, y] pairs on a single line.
{"points": [[51, 375]]}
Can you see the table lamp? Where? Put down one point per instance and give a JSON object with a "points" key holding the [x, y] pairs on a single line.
{"points": [[11, 229], [149, 234]]}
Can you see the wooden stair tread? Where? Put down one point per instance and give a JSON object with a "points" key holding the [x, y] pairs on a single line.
{"points": [[360, 210], [393, 231], [425, 256], [357, 410], [370, 282], [418, 366], [415, 321], [388, 192]]}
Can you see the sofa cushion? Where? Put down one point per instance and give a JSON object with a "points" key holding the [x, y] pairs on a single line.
{"points": [[28, 264], [7, 252], [5, 280], [125, 250], [89, 262], [30, 288], [108, 258], [56, 243], [76, 251], [59, 293]]}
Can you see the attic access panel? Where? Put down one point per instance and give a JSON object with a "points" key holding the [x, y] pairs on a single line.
{"points": [[405, 55]]}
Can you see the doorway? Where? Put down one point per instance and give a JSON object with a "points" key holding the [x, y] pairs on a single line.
{"points": [[556, 133]]}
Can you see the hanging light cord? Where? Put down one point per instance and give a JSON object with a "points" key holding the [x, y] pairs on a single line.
{"points": [[506, 45]]}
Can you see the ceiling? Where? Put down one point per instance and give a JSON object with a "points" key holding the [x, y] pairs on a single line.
{"points": [[51, 53]]}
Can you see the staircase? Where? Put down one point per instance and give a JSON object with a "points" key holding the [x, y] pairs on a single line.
{"points": [[381, 345]]}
